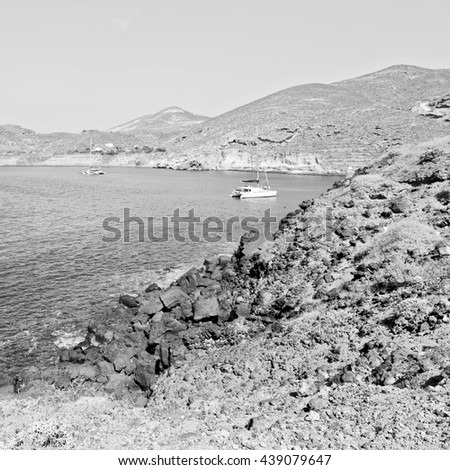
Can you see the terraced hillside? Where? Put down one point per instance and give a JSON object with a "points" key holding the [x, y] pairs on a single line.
{"points": [[322, 128]]}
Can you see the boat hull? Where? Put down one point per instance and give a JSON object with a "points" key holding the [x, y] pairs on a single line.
{"points": [[258, 194]]}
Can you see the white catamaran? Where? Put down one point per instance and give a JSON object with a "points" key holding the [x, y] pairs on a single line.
{"points": [[253, 189]]}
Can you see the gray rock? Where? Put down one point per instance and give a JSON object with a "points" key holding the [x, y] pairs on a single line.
{"points": [[206, 308], [129, 301], [115, 383], [243, 310], [161, 324], [122, 361], [145, 374], [85, 371], [151, 306], [400, 206], [217, 274], [173, 297], [225, 259], [153, 287], [210, 264], [188, 282], [444, 250]]}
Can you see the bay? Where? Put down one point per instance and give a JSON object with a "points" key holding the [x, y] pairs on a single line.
{"points": [[59, 268]]}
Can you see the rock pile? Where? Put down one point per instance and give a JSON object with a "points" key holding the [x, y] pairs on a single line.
{"points": [[148, 333]]}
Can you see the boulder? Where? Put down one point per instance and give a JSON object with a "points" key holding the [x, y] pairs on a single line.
{"points": [[122, 361], [225, 259], [162, 324], [217, 274], [173, 297], [113, 349], [400, 206], [105, 368], [129, 301], [116, 383], [85, 371], [243, 310], [153, 287], [183, 311], [206, 308], [188, 282], [164, 353], [145, 374], [210, 264], [151, 306], [443, 249]]}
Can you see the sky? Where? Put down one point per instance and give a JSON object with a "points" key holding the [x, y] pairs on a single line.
{"points": [[69, 65]]}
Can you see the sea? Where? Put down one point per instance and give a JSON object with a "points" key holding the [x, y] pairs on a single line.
{"points": [[70, 244]]}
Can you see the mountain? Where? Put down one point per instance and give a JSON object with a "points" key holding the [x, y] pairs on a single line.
{"points": [[323, 128], [313, 128], [167, 122]]}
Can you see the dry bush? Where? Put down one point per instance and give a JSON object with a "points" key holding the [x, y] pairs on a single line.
{"points": [[44, 434], [399, 253], [405, 238]]}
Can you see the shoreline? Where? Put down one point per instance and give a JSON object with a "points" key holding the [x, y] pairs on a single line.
{"points": [[242, 170]]}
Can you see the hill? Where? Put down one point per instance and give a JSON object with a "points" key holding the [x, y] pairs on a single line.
{"points": [[322, 128], [163, 124], [312, 128]]}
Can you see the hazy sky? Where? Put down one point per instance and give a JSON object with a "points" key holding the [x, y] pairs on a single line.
{"points": [[69, 65]]}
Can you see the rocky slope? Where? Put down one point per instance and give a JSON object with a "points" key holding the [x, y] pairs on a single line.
{"points": [[320, 128], [137, 142], [332, 335]]}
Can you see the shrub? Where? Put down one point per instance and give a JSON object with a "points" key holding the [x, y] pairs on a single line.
{"points": [[41, 435], [405, 238], [443, 196]]}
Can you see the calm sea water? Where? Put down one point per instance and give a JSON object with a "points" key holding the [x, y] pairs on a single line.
{"points": [[56, 273]]}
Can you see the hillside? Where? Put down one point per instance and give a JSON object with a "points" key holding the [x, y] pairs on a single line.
{"points": [[332, 335], [312, 128], [122, 145], [21, 145], [320, 128]]}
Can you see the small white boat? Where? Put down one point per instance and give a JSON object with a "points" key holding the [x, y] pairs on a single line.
{"points": [[92, 171], [253, 189]]}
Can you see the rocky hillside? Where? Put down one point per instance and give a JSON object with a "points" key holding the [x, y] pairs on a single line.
{"points": [[20, 145], [141, 140], [334, 334], [323, 128]]}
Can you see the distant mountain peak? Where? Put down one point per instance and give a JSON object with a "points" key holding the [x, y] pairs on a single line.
{"points": [[172, 109], [165, 121]]}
